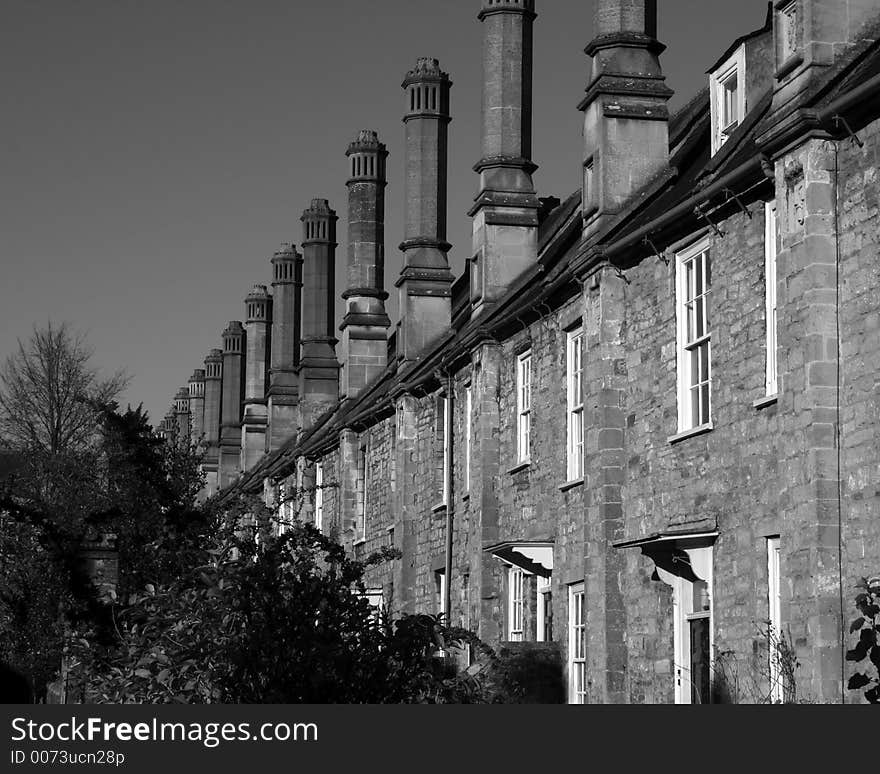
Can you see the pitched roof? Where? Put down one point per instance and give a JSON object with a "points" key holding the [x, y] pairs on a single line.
{"points": [[691, 168]]}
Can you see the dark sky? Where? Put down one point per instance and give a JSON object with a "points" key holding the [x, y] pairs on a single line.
{"points": [[155, 153]]}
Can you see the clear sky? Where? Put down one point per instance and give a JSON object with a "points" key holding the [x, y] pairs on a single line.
{"points": [[155, 153]]}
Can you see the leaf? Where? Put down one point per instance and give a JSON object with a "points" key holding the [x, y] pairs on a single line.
{"points": [[143, 673], [875, 656], [858, 652], [863, 603], [873, 695], [858, 680], [162, 677], [868, 636], [857, 624]]}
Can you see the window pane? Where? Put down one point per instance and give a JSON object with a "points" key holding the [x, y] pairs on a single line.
{"points": [[730, 107], [694, 355], [704, 416], [548, 615], [704, 362], [699, 660], [700, 596]]}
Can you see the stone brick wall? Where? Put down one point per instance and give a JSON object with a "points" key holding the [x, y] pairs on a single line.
{"points": [[763, 470], [859, 208], [724, 479]]}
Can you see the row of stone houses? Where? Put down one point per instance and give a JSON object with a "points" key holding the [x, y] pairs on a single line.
{"points": [[642, 426]]}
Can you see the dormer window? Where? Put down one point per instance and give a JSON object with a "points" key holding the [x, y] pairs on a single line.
{"points": [[728, 97]]}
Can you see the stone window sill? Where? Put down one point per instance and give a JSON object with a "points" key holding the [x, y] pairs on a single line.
{"points": [[438, 508], [694, 431], [767, 400], [570, 484], [359, 542], [520, 466]]}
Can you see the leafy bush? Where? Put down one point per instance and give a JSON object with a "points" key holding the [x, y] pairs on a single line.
{"points": [[271, 620], [866, 649]]}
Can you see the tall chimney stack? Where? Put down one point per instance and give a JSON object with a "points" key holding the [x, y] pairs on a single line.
{"points": [[425, 280], [626, 132], [197, 406], [505, 211], [365, 324], [182, 416], [258, 305], [169, 425], [213, 392], [233, 392], [286, 314], [319, 368]]}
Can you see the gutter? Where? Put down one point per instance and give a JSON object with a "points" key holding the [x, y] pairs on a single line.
{"points": [[686, 207], [857, 95], [828, 114]]}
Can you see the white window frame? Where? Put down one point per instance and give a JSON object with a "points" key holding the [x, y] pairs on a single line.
{"points": [[364, 479], [443, 411], [523, 406], [544, 599], [684, 614], [774, 618], [577, 645], [319, 495], [693, 337], [468, 416], [771, 381], [284, 508], [465, 616], [516, 597], [440, 590], [733, 67], [575, 403], [376, 600]]}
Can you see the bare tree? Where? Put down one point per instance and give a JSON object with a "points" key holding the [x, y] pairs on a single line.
{"points": [[48, 389]]}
